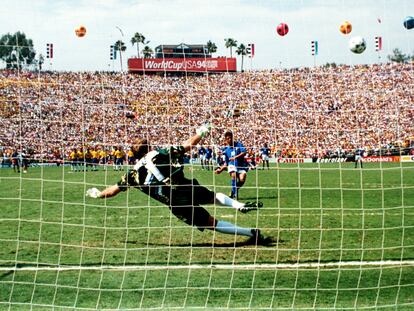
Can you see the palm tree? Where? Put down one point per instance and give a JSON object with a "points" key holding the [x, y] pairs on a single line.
{"points": [[138, 38], [211, 47], [147, 51], [121, 47], [398, 56], [16, 50], [230, 43], [241, 50]]}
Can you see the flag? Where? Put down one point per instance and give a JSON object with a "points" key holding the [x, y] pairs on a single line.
{"points": [[378, 44], [49, 50], [314, 47], [250, 50]]}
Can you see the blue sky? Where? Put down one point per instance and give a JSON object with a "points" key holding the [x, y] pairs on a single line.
{"points": [[195, 22]]}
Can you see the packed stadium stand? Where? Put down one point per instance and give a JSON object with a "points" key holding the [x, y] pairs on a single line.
{"points": [[308, 112]]}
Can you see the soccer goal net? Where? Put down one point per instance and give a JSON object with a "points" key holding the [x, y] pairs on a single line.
{"points": [[329, 153]]}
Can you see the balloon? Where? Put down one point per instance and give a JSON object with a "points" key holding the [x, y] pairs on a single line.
{"points": [[409, 22], [80, 31], [345, 28], [282, 29]]}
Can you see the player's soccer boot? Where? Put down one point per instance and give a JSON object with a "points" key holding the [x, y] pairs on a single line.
{"points": [[250, 206], [259, 239]]}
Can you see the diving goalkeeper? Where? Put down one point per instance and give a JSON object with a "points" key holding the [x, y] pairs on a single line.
{"points": [[160, 174]]}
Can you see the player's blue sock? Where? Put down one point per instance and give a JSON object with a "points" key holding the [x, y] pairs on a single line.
{"points": [[229, 228], [234, 186]]}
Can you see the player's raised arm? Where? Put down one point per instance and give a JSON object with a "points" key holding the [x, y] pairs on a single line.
{"points": [[202, 132]]}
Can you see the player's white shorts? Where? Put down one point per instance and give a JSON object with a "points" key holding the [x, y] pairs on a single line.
{"points": [[358, 158], [265, 157], [238, 170], [202, 157]]}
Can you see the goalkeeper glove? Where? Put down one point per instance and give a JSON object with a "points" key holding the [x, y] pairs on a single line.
{"points": [[93, 193], [204, 130]]}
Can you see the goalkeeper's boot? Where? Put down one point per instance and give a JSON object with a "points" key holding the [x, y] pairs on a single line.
{"points": [[251, 206], [259, 239]]}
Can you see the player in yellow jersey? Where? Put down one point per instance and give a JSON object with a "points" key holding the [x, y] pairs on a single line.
{"points": [[74, 161], [119, 158], [95, 158], [113, 156], [103, 158], [130, 156], [81, 160], [88, 158]]}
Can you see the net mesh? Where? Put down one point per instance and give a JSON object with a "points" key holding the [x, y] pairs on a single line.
{"points": [[343, 233]]}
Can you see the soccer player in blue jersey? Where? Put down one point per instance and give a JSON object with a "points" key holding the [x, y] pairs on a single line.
{"points": [[209, 157], [359, 155], [265, 154], [235, 163], [163, 169], [202, 155]]}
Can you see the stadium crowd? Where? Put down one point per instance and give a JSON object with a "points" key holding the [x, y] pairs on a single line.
{"points": [[310, 112]]}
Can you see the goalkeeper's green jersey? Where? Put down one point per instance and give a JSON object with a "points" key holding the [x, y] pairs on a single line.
{"points": [[169, 161], [157, 167]]}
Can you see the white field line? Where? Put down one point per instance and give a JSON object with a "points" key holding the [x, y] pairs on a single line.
{"points": [[310, 265], [338, 212]]}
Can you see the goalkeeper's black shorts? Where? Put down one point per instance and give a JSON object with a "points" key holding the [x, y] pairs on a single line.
{"points": [[185, 201]]}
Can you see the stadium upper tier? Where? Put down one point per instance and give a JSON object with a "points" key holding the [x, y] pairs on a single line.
{"points": [[309, 110]]}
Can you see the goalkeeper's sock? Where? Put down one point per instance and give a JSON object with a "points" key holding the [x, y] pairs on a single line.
{"points": [[223, 199], [229, 228]]}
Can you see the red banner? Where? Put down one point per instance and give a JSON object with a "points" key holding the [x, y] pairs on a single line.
{"points": [[220, 64]]}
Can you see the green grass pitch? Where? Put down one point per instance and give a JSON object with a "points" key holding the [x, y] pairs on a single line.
{"points": [[318, 213]]}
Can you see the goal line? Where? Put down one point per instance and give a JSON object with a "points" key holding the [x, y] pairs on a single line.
{"points": [[307, 265]]}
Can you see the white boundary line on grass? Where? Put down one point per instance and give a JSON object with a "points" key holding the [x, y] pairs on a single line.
{"points": [[310, 265]]}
